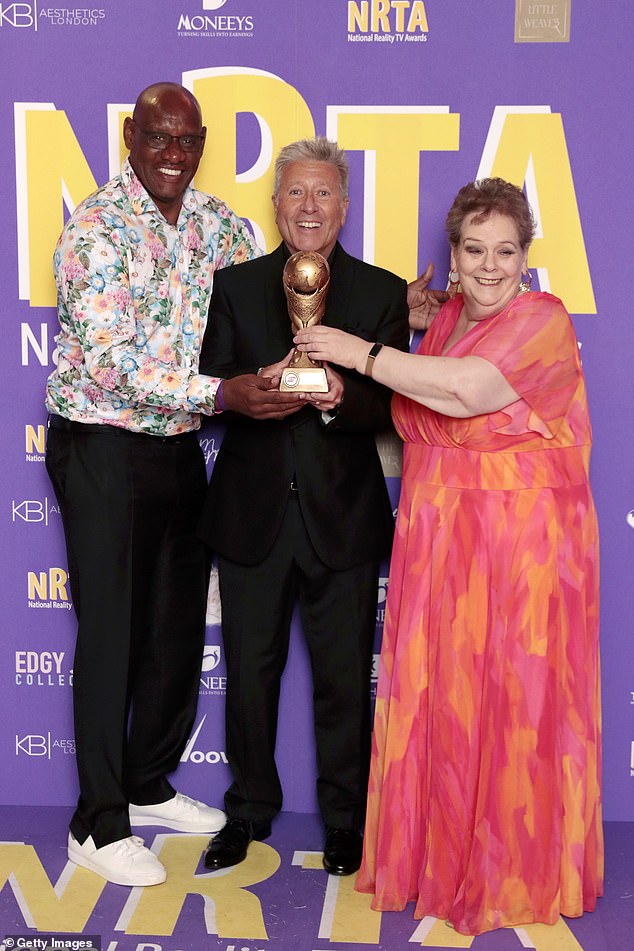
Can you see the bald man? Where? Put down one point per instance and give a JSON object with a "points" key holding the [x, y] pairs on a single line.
{"points": [[134, 268]]}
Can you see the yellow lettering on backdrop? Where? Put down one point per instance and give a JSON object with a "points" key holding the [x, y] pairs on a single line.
{"points": [[282, 115], [117, 150], [236, 912], [400, 6], [35, 438], [528, 147], [65, 907], [418, 18], [346, 915], [525, 144], [47, 178], [358, 16], [57, 580], [348, 918], [392, 138], [37, 585], [379, 19], [432, 933], [351, 919], [557, 937]]}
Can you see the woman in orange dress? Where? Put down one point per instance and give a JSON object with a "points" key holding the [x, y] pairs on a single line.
{"points": [[484, 805]]}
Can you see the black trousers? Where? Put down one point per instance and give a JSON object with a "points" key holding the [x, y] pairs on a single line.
{"points": [[130, 504], [338, 613]]}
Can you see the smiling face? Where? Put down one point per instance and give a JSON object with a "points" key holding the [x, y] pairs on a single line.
{"points": [[309, 208], [164, 173], [489, 262]]}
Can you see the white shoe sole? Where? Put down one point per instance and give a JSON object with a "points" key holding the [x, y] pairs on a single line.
{"points": [[211, 828], [143, 878]]}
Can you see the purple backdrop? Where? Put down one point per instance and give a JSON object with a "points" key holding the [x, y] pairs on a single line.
{"points": [[425, 96]]}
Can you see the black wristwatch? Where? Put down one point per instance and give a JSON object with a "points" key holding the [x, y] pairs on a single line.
{"points": [[373, 354]]}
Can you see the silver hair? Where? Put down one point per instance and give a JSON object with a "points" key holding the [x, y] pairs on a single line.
{"points": [[319, 149]]}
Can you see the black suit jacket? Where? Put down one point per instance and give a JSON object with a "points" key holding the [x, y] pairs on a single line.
{"points": [[342, 491]]}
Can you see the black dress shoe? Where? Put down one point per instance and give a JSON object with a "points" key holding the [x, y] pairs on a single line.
{"points": [[342, 851], [230, 846]]}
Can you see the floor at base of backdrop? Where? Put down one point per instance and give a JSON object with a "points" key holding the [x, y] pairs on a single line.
{"points": [[279, 899]]}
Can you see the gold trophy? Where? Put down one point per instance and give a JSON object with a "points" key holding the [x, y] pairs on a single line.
{"points": [[306, 278]]}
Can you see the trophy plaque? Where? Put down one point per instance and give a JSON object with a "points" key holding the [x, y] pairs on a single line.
{"points": [[306, 278]]}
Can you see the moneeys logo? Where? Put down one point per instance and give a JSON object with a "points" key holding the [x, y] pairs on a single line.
{"points": [[211, 657]]}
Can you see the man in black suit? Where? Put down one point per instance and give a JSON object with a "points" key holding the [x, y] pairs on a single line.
{"points": [[297, 509]]}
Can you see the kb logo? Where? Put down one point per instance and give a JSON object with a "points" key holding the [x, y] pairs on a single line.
{"points": [[32, 510], [33, 745], [19, 15]]}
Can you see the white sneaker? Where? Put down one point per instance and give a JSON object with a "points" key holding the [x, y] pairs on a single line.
{"points": [[181, 814], [125, 862]]}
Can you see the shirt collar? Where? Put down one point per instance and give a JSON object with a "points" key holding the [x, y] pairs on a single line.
{"points": [[331, 257], [141, 202]]}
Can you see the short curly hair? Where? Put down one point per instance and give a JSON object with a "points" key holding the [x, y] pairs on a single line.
{"points": [[484, 197]]}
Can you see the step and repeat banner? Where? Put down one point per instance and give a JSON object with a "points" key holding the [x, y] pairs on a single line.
{"points": [[424, 96]]}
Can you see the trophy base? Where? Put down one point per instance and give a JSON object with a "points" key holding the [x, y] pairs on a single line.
{"points": [[304, 380]]}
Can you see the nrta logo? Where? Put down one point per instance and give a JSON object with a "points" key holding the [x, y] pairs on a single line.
{"points": [[383, 16], [35, 440], [211, 657], [19, 15], [51, 585]]}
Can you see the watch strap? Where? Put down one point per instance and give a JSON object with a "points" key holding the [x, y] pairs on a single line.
{"points": [[372, 355]]}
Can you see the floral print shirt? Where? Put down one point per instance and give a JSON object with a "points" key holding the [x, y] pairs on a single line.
{"points": [[133, 293]]}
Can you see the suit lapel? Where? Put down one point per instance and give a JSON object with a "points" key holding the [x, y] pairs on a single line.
{"points": [[342, 279], [278, 323]]}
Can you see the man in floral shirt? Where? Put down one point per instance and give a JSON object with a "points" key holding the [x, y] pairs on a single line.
{"points": [[134, 268]]}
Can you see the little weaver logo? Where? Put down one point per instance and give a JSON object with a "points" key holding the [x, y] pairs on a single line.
{"points": [[542, 22]]}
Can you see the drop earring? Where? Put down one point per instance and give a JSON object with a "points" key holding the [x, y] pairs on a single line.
{"points": [[453, 284], [525, 283]]}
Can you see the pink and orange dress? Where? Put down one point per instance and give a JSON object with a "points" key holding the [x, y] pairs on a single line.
{"points": [[484, 804]]}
